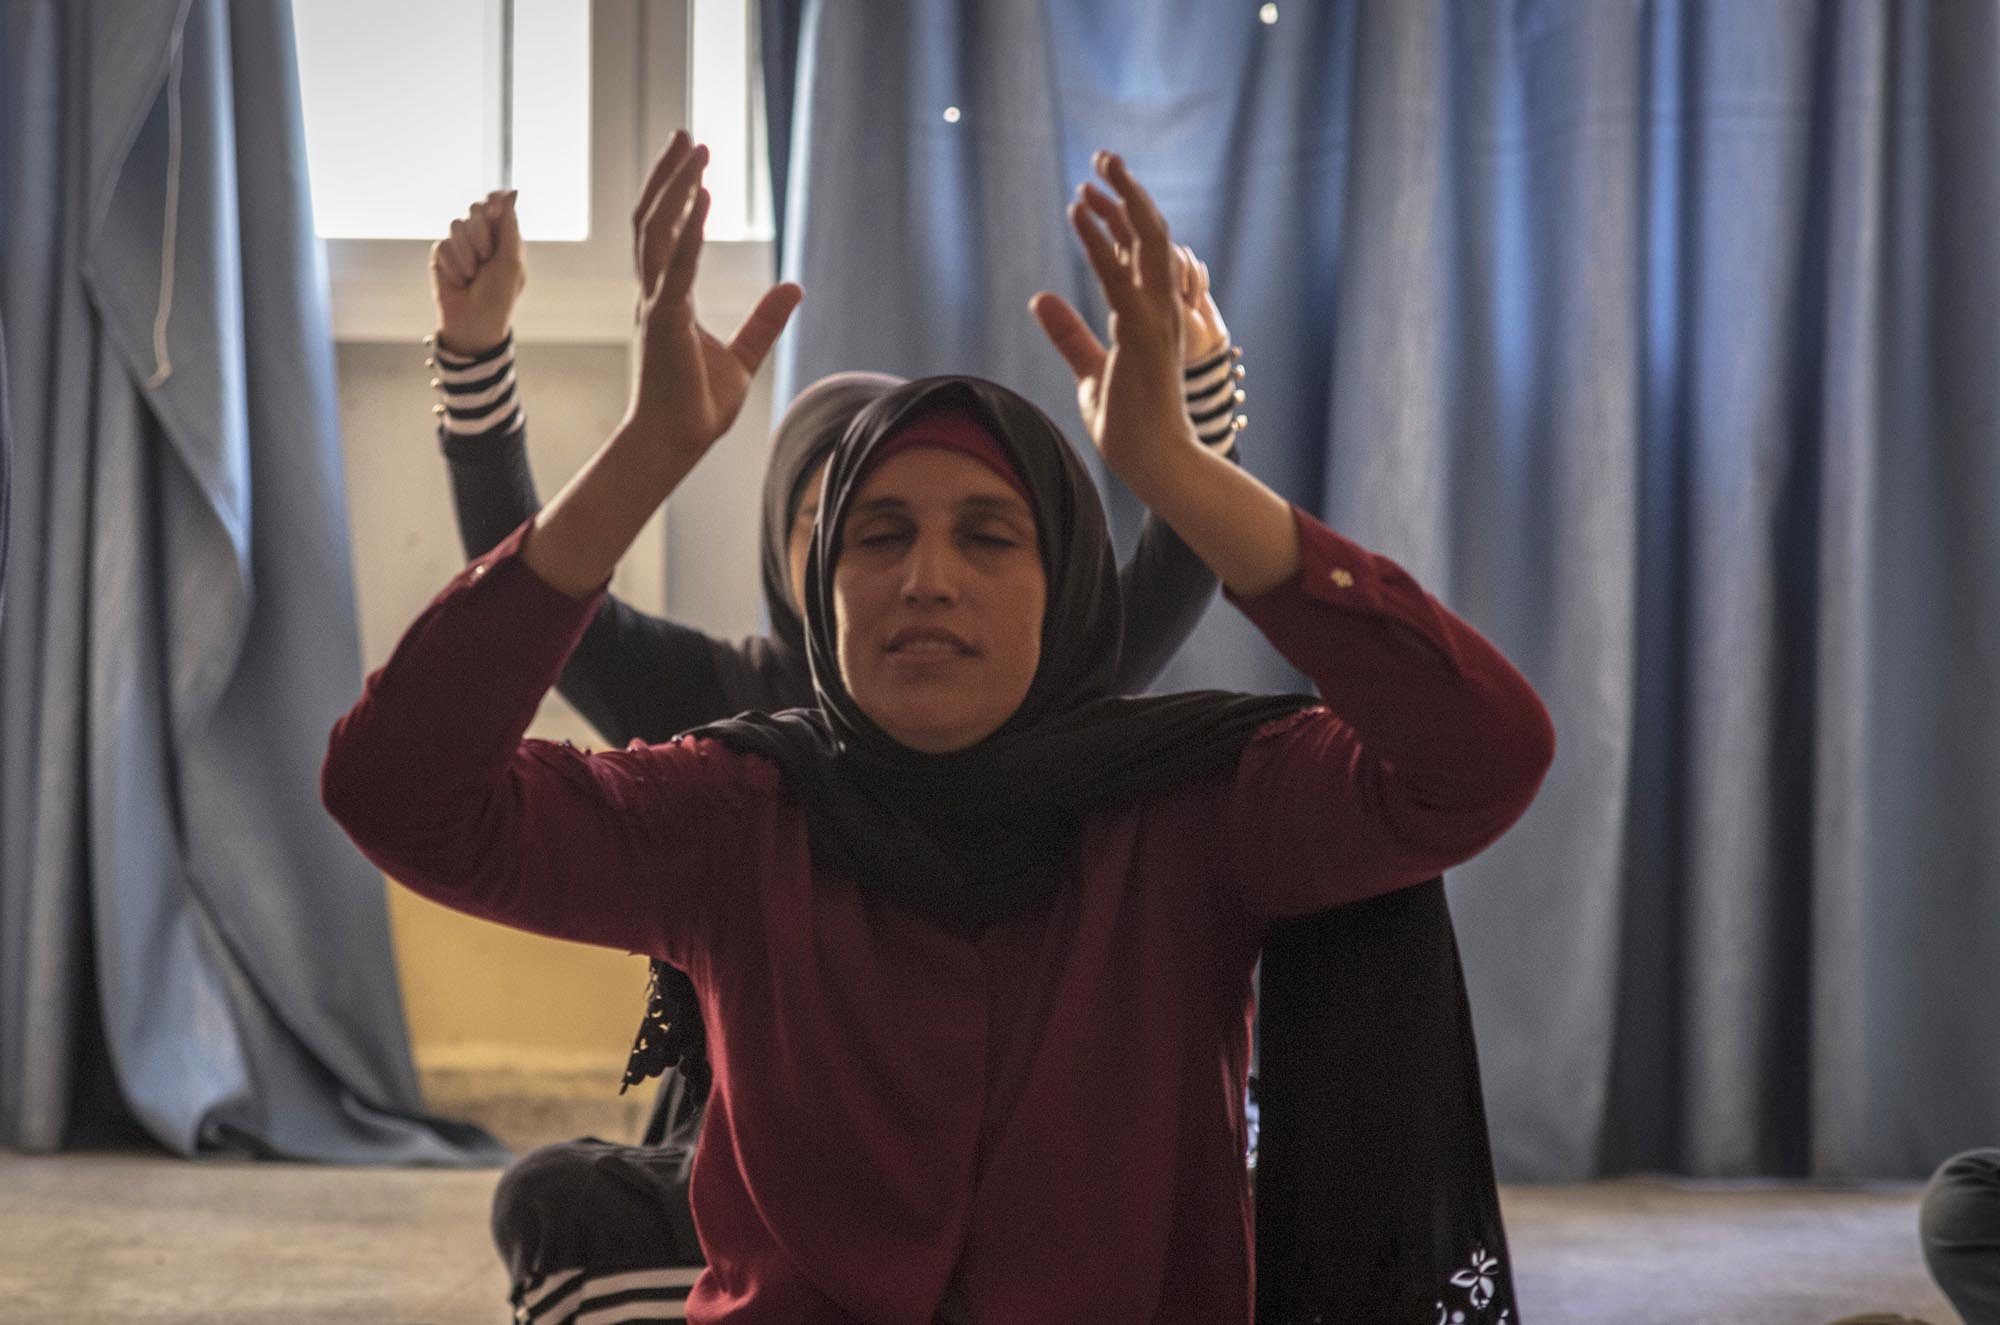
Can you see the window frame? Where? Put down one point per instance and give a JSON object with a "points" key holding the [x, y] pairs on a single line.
{"points": [[579, 291]]}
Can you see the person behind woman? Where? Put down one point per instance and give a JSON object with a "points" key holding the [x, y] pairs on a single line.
{"points": [[973, 938], [582, 1221]]}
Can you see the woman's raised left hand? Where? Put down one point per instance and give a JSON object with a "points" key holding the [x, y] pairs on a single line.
{"points": [[1130, 393]]}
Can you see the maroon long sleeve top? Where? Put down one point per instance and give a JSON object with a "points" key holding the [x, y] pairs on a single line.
{"points": [[1045, 1121]]}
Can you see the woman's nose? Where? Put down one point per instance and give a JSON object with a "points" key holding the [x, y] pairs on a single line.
{"points": [[928, 575]]}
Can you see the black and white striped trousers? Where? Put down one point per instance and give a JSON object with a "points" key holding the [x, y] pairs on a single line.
{"points": [[595, 1233]]}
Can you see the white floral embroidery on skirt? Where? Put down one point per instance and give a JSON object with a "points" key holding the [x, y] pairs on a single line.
{"points": [[1478, 1280]]}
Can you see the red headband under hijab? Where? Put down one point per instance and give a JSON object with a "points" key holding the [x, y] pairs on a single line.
{"points": [[952, 430]]}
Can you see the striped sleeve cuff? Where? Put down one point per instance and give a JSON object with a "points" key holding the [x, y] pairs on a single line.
{"points": [[1215, 397], [477, 393]]}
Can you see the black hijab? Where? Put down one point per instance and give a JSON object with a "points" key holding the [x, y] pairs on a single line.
{"points": [[776, 677], [970, 836]]}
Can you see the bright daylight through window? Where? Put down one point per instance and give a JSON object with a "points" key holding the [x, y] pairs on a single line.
{"points": [[411, 111]]}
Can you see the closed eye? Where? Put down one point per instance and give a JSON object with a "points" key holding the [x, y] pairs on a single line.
{"points": [[879, 532], [990, 533]]}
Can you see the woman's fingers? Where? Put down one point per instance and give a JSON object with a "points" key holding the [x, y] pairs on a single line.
{"points": [[1111, 213], [1103, 257], [507, 226], [1149, 228], [678, 281], [456, 252], [1070, 334], [1146, 219], [441, 263], [666, 220], [676, 151], [479, 232], [760, 331], [1194, 276], [664, 165], [443, 269]]}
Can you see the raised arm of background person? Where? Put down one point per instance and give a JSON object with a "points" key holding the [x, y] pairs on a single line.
{"points": [[633, 675], [478, 272], [1165, 587]]}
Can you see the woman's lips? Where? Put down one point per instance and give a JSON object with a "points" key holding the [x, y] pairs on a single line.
{"points": [[929, 642]]}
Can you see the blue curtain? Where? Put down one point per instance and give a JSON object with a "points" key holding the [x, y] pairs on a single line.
{"points": [[1657, 338], [6, 472], [185, 940]]}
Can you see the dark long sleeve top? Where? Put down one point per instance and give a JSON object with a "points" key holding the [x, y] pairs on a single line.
{"points": [[1047, 1118]]}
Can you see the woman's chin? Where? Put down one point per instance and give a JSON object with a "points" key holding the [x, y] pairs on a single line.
{"points": [[933, 729], [936, 740]]}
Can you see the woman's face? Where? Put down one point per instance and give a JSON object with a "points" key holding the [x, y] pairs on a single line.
{"points": [[800, 540], [938, 596]]}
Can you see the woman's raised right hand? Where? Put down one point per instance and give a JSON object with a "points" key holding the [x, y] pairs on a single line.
{"points": [[690, 384], [688, 388], [477, 274]]}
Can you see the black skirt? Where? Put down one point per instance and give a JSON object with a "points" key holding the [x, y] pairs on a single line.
{"points": [[1376, 1198]]}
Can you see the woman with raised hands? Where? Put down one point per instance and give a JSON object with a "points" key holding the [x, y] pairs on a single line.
{"points": [[584, 1219], [635, 676], [973, 936], [1367, 1088]]}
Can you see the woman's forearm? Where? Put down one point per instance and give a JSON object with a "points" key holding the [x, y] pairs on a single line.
{"points": [[1240, 528], [1458, 736], [482, 430], [430, 776], [578, 538]]}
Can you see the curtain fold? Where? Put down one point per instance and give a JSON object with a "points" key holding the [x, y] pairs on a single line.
{"points": [[6, 470], [1658, 339], [172, 899]]}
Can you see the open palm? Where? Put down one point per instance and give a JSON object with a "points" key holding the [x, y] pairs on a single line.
{"points": [[1162, 317], [1203, 332], [691, 384]]}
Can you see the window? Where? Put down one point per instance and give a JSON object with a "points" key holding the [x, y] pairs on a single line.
{"points": [[726, 111], [413, 111]]}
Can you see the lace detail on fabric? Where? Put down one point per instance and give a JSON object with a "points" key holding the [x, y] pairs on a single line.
{"points": [[670, 1034]]}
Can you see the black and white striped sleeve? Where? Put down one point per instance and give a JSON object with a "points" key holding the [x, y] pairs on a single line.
{"points": [[1214, 398], [477, 393]]}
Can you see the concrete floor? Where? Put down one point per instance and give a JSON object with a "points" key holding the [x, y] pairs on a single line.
{"points": [[147, 1240]]}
